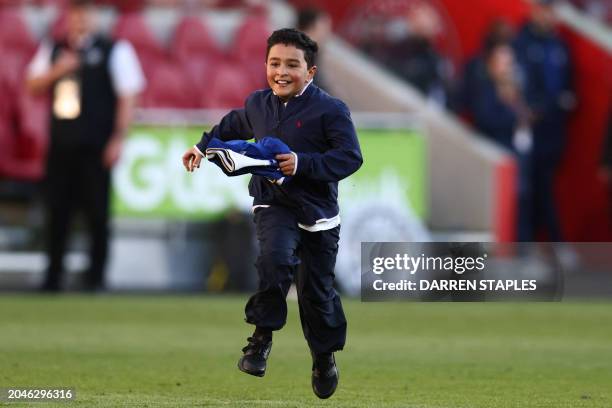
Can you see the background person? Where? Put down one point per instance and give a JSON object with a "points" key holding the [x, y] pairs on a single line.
{"points": [[546, 67], [93, 82], [415, 58], [317, 25], [475, 68], [501, 113]]}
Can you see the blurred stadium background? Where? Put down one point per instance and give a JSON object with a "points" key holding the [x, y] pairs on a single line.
{"points": [[428, 174]]}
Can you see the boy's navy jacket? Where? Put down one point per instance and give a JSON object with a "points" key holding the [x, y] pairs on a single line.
{"points": [[237, 157], [318, 128]]}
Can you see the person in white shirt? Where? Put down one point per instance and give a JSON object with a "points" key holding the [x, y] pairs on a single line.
{"points": [[93, 83]]}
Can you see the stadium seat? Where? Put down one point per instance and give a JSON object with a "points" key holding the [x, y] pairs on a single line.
{"points": [[33, 122], [5, 102], [12, 163], [196, 50], [12, 69], [9, 83], [251, 5], [15, 36], [22, 117], [192, 40], [169, 87], [58, 27], [7, 141], [133, 27], [250, 38], [125, 6], [229, 86], [199, 73], [6, 153], [250, 46]]}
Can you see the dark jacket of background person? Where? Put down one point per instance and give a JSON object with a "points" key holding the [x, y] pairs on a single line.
{"points": [[463, 101], [416, 60], [492, 116], [497, 96], [500, 113], [475, 68], [546, 66], [406, 45], [94, 126]]}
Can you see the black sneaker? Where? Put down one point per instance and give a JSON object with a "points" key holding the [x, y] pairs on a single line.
{"points": [[255, 355], [324, 375]]}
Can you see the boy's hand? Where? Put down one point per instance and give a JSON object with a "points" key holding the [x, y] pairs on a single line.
{"points": [[286, 163], [191, 159]]}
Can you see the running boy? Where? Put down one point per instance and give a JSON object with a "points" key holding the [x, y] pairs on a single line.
{"points": [[297, 223]]}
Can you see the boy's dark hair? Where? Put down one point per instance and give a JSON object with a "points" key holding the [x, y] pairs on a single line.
{"points": [[307, 17], [291, 36]]}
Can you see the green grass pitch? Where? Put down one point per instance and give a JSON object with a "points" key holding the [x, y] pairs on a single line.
{"points": [[168, 351]]}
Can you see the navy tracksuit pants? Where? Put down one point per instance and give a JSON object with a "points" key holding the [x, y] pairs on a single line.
{"points": [[288, 252]]}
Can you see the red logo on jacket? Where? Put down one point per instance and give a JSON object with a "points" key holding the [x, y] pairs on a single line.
{"points": [[298, 123]]}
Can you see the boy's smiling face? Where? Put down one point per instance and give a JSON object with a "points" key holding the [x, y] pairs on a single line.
{"points": [[287, 71]]}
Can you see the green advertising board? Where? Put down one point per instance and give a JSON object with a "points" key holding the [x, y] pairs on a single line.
{"points": [[150, 181]]}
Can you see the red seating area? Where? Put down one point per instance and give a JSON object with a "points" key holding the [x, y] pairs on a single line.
{"points": [[192, 72], [22, 117]]}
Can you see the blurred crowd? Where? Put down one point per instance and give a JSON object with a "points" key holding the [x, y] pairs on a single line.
{"points": [[516, 91], [407, 45]]}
